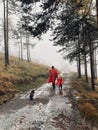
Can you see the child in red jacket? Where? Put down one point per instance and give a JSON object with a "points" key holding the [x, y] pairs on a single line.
{"points": [[60, 81]]}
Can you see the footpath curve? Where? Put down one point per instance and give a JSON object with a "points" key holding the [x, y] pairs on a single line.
{"points": [[50, 110]]}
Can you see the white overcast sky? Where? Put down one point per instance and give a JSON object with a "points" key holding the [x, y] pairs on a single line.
{"points": [[47, 53]]}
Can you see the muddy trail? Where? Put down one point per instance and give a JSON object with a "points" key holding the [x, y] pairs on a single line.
{"points": [[50, 110]]}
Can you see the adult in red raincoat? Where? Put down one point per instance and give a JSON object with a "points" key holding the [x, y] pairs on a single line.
{"points": [[53, 74]]}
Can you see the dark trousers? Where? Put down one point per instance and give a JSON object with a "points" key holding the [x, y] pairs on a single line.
{"points": [[60, 87], [53, 85]]}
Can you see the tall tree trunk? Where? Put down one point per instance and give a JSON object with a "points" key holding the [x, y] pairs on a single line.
{"points": [[97, 11], [92, 65], [7, 32], [5, 54], [85, 65], [5, 6], [95, 64], [85, 56], [79, 60], [19, 53], [21, 48], [27, 46]]}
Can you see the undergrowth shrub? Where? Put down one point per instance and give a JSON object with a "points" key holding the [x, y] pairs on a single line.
{"points": [[89, 111], [87, 100]]}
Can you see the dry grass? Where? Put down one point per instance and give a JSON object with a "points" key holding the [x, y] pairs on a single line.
{"points": [[88, 99], [20, 76]]}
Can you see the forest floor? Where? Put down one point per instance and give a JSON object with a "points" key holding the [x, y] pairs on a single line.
{"points": [[49, 110], [20, 76]]}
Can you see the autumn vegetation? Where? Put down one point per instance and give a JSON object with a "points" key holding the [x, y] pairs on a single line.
{"points": [[20, 76], [87, 99], [73, 23]]}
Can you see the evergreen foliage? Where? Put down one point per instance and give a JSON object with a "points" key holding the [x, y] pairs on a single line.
{"points": [[72, 24]]}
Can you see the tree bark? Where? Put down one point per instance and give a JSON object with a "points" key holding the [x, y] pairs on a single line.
{"points": [[85, 56], [6, 54], [85, 65], [97, 11], [21, 48], [79, 60], [95, 64], [7, 33], [92, 66], [27, 47]]}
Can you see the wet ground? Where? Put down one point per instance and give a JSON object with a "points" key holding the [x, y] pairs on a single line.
{"points": [[50, 110]]}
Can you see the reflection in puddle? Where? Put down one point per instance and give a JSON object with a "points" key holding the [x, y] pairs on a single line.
{"points": [[60, 92]]}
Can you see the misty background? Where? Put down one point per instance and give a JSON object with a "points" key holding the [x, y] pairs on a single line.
{"points": [[43, 52]]}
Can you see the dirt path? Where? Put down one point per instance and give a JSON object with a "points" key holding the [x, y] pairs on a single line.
{"points": [[50, 110]]}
